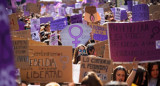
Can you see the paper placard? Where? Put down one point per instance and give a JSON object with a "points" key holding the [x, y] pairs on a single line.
{"points": [[100, 48], [35, 36], [46, 19], [129, 40], [76, 19], [99, 32], [76, 72], [101, 66], [35, 25], [22, 34], [101, 13], [75, 34], [13, 22], [58, 24], [53, 39], [106, 51], [48, 64], [140, 12]]}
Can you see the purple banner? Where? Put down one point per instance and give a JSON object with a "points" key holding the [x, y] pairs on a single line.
{"points": [[76, 19], [58, 24], [140, 12], [7, 69], [46, 19], [21, 25], [100, 32], [140, 40]]}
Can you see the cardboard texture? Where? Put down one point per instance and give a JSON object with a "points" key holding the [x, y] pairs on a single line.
{"points": [[21, 55], [101, 66], [13, 22], [153, 8], [99, 32], [35, 8], [106, 52], [129, 40], [91, 14], [69, 2], [100, 47], [156, 15], [49, 64], [22, 34]]}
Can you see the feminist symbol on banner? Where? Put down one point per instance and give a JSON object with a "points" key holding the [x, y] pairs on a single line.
{"points": [[92, 18], [64, 60], [155, 31], [76, 42]]}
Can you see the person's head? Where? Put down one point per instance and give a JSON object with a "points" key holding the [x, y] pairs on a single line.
{"points": [[153, 70], [47, 27], [91, 79], [91, 49], [119, 74], [140, 76], [78, 50], [52, 84]]}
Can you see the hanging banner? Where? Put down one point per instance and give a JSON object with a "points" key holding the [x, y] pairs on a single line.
{"points": [[75, 34], [58, 24], [129, 40], [35, 25], [102, 67], [48, 64], [140, 12], [7, 69]]}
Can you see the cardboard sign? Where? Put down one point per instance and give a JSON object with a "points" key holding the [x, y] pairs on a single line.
{"points": [[156, 15], [48, 64], [21, 55], [106, 51], [69, 2], [129, 40], [140, 12], [35, 36], [153, 8], [46, 19], [35, 8], [75, 34], [101, 66], [99, 32], [13, 22], [76, 19], [53, 39], [58, 24], [7, 69], [22, 34], [35, 25], [99, 48], [91, 14]]}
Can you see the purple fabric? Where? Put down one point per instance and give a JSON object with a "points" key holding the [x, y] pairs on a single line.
{"points": [[129, 40], [46, 19], [76, 19], [7, 69], [140, 12]]}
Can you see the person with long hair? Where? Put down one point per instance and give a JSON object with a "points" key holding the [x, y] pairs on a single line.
{"points": [[153, 74]]}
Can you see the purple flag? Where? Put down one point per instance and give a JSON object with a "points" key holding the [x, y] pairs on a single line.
{"points": [[46, 19], [7, 69], [58, 24], [21, 25], [76, 19], [129, 40], [140, 12]]}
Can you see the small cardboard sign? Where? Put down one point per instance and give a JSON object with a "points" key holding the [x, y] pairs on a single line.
{"points": [[101, 66], [69, 2], [99, 32], [153, 8], [35, 8], [100, 48], [156, 15], [48, 64], [58, 24], [140, 12], [106, 51], [91, 14], [22, 34], [76, 19], [13, 22], [75, 34]]}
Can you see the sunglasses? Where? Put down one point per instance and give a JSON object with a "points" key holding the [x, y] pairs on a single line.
{"points": [[80, 50]]}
